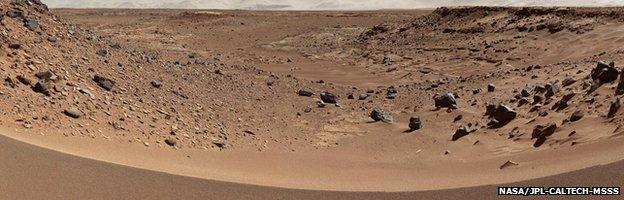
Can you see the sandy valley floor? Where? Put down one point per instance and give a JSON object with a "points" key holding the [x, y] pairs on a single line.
{"points": [[231, 104]]}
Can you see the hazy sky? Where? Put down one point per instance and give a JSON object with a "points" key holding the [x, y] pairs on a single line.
{"points": [[316, 4]]}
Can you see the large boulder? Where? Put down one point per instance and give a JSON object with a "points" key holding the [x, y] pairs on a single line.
{"points": [[604, 73]]}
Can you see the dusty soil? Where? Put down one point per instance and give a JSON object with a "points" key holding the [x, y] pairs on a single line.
{"points": [[221, 95]]}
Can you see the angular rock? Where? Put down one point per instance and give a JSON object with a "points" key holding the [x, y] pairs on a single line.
{"points": [[104, 82], [526, 92], [504, 114], [381, 115], [542, 132], [604, 73], [463, 131], [491, 87], [551, 90], [329, 97], [446, 101]]}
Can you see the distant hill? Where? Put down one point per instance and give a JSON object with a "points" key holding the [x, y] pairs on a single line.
{"points": [[316, 4]]}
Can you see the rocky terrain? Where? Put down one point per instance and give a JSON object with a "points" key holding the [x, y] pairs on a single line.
{"points": [[445, 95]]}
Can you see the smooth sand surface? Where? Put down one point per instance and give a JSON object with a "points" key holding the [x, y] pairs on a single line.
{"points": [[32, 172]]}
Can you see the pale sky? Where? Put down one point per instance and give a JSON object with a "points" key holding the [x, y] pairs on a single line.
{"points": [[317, 4]]}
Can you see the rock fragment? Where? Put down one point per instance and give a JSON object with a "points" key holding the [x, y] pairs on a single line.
{"points": [[507, 164], [615, 106]]}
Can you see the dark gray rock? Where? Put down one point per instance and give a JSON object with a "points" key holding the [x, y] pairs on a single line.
{"points": [[43, 87], [551, 89], [446, 101], [542, 132], [415, 123], [577, 115], [615, 106], [104, 82], [381, 115], [329, 97], [23, 80], [491, 87], [170, 141], [73, 113], [563, 102], [15, 46], [604, 73], [305, 93], [504, 114], [31, 24]]}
